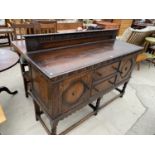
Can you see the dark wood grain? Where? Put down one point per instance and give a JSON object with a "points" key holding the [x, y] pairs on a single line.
{"points": [[55, 40], [66, 60]]}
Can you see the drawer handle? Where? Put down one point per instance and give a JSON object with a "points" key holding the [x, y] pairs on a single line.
{"points": [[96, 89], [112, 83], [98, 73], [116, 69]]}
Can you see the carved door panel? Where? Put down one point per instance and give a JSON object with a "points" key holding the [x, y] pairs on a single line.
{"points": [[75, 91], [125, 68]]}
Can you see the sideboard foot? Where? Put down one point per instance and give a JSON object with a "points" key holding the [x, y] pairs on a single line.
{"points": [[37, 111], [54, 125]]}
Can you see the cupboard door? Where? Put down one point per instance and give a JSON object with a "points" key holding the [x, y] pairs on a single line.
{"points": [[126, 68], [75, 91]]}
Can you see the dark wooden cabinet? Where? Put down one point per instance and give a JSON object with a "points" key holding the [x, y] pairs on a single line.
{"points": [[85, 67]]}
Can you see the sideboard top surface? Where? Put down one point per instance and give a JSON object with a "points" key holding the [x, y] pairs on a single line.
{"points": [[61, 61]]}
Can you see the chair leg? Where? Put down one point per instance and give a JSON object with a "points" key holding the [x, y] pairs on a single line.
{"points": [[138, 66]]}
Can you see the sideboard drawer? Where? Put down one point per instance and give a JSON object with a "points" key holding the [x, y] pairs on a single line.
{"points": [[103, 86], [104, 71]]}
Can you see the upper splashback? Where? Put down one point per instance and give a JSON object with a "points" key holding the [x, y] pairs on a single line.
{"points": [[59, 40]]}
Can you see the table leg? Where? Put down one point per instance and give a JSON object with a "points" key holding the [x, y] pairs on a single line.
{"points": [[8, 91], [9, 40]]}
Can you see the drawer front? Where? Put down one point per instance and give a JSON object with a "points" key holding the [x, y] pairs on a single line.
{"points": [[126, 68], [75, 91], [105, 71], [103, 86]]}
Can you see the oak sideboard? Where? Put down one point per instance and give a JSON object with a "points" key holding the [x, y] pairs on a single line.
{"points": [[69, 71]]}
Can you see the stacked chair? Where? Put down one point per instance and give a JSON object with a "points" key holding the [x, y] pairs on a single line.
{"points": [[30, 27]]}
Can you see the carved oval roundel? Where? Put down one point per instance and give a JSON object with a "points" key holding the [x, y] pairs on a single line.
{"points": [[126, 68], [73, 92]]}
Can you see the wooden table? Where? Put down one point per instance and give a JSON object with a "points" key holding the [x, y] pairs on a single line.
{"points": [[7, 60], [8, 34], [69, 71]]}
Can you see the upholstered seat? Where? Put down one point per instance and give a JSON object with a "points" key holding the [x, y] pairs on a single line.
{"points": [[137, 37]]}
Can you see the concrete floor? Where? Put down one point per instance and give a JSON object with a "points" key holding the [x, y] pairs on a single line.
{"points": [[132, 114]]}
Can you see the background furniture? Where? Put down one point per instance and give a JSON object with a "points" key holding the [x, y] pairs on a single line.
{"points": [[120, 24], [140, 24], [45, 26], [64, 80], [19, 30], [7, 60], [6, 33], [137, 37], [152, 54], [68, 25], [123, 24], [149, 49], [107, 24], [61, 24], [74, 24]]}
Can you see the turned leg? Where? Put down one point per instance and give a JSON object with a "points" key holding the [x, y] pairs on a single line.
{"points": [[37, 111], [54, 127], [8, 91], [96, 107], [123, 89]]}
